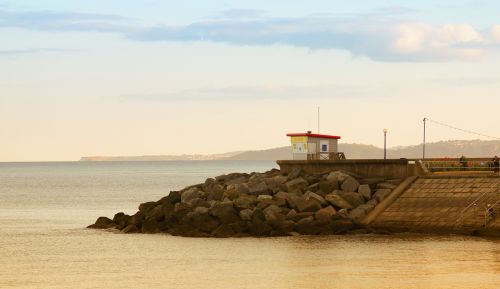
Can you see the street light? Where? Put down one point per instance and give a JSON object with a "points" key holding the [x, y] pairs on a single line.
{"points": [[385, 144]]}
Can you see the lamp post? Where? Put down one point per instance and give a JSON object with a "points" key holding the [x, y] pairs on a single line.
{"points": [[385, 144]]}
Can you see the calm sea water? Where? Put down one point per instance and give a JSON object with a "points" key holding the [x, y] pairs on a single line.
{"points": [[44, 208]]}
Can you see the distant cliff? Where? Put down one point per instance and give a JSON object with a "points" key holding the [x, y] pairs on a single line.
{"points": [[454, 148]]}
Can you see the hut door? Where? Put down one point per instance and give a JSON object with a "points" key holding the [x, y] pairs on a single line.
{"points": [[324, 149]]}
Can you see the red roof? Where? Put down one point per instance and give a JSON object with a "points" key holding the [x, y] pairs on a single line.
{"points": [[314, 135]]}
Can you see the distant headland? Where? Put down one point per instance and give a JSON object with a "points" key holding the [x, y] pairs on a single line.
{"points": [[453, 148]]}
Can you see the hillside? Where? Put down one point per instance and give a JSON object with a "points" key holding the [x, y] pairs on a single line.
{"points": [[454, 148]]}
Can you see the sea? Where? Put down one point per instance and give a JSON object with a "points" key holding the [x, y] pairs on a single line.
{"points": [[44, 243]]}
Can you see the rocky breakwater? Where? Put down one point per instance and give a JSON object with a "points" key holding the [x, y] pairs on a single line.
{"points": [[259, 204]]}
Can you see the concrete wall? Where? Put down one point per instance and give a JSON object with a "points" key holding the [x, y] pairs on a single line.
{"points": [[442, 204], [365, 168]]}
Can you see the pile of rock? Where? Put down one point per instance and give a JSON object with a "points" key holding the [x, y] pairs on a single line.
{"points": [[259, 204]]}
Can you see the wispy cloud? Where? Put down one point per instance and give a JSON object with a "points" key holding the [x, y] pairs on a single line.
{"points": [[13, 52], [245, 93], [377, 38], [383, 35], [63, 21]]}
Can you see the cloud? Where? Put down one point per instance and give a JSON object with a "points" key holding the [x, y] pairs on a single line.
{"points": [[245, 93], [63, 21], [382, 35], [375, 37], [13, 52]]}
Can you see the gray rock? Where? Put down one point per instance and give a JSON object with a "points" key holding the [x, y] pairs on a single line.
{"points": [[241, 188], [225, 212], [121, 220], [237, 181], [313, 187], [338, 201], [291, 215], [350, 184], [296, 184], [306, 221], [357, 214], [324, 216], [353, 198], [261, 188], [245, 202], [308, 205], [381, 194], [280, 179], [302, 215], [200, 220], [191, 194], [343, 213], [329, 186], [273, 214], [130, 229], [337, 176], [156, 213], [264, 197], [147, 206], [372, 202], [246, 214], [102, 223], [316, 197], [292, 200], [201, 210], [231, 194], [366, 207], [365, 191]]}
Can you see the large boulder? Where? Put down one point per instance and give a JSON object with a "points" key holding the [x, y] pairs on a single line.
{"points": [[147, 206], [342, 225], [246, 214], [280, 179], [130, 229], [156, 213], [237, 181], [245, 202], [260, 188], [172, 198], [324, 215], [353, 198], [298, 184], [231, 194], [350, 184], [357, 214], [316, 197], [338, 201], [328, 186], [225, 212], [102, 223], [191, 194], [307, 205], [121, 220], [201, 220], [365, 191], [273, 214], [337, 176]]}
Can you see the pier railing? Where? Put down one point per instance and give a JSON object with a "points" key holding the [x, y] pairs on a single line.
{"points": [[443, 165]]}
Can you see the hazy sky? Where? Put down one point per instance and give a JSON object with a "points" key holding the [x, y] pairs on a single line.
{"points": [[120, 77]]}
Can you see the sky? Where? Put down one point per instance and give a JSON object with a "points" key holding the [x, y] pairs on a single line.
{"points": [[123, 77]]}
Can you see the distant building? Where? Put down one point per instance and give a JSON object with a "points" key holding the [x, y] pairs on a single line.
{"points": [[311, 146]]}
